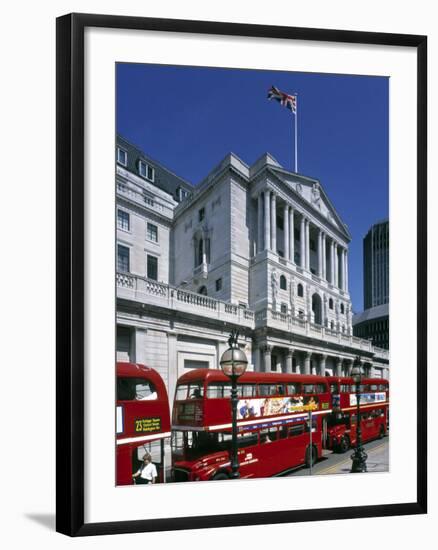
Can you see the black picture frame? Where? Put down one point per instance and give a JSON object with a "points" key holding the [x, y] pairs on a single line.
{"points": [[70, 272]]}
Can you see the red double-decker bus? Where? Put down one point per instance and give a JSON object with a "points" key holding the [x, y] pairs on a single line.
{"points": [[274, 415], [374, 410], [142, 420]]}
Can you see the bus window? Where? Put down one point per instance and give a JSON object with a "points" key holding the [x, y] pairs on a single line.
{"points": [[308, 388], [247, 439], [181, 392], [297, 429], [282, 432], [292, 389], [196, 390], [268, 389], [373, 387], [267, 435], [320, 388], [246, 390], [334, 388], [345, 388], [218, 390], [131, 389], [177, 443]]}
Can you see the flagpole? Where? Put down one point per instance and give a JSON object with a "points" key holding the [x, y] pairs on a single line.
{"points": [[296, 134]]}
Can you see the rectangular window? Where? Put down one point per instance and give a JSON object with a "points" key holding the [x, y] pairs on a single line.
{"points": [[201, 214], [152, 232], [146, 171], [218, 285], [218, 390], [192, 364], [122, 258], [152, 268], [181, 392], [292, 389], [283, 308], [123, 220], [296, 430], [270, 389], [122, 156]]}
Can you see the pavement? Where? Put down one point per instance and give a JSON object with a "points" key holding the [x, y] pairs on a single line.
{"points": [[333, 463]]}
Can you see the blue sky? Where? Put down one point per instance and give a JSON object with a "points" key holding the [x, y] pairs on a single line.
{"points": [[189, 118]]}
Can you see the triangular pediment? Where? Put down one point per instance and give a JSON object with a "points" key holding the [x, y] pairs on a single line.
{"points": [[311, 191]]}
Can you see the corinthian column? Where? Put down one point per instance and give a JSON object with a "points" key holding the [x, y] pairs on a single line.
{"points": [[259, 223], [332, 262], [336, 266], [307, 244], [302, 242], [291, 236], [346, 270], [274, 222], [267, 244], [319, 253], [324, 258], [286, 231]]}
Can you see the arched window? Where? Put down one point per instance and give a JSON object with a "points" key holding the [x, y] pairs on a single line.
{"points": [[331, 303], [342, 308], [300, 290], [283, 283], [203, 290], [332, 325]]}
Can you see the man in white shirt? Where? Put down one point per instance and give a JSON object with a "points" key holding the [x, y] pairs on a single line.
{"points": [[147, 473]]}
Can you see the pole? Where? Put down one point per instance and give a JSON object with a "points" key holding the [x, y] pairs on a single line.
{"points": [[296, 135], [310, 438], [359, 457], [234, 461]]}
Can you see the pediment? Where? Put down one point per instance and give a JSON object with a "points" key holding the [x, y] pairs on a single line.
{"points": [[312, 192]]}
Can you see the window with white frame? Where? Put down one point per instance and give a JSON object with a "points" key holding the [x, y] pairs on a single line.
{"points": [[122, 156], [146, 171], [152, 232], [123, 220], [122, 258]]}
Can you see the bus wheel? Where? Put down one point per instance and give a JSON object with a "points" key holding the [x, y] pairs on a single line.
{"points": [[220, 476], [382, 432], [311, 456], [344, 444]]}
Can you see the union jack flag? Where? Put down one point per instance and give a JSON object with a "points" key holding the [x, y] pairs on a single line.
{"points": [[288, 101]]}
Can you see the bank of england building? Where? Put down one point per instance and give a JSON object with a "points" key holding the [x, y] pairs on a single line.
{"points": [[259, 248]]}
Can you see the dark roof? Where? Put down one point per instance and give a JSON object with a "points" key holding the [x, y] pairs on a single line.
{"points": [[370, 314], [164, 178]]}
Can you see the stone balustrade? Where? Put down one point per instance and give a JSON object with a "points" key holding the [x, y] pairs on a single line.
{"points": [[146, 291]]}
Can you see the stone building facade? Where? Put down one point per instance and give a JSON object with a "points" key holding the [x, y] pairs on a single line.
{"points": [[256, 247]]}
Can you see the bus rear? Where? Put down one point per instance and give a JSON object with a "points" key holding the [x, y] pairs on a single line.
{"points": [[374, 409], [279, 419], [142, 420]]}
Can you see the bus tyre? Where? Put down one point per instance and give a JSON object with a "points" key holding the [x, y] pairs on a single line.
{"points": [[344, 444], [220, 476], [311, 455]]}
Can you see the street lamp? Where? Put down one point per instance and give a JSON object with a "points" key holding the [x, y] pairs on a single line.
{"points": [[359, 457], [233, 364]]}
